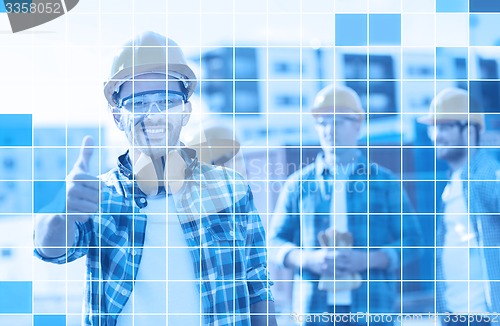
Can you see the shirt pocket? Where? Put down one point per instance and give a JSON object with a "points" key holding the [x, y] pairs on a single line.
{"points": [[225, 254]]}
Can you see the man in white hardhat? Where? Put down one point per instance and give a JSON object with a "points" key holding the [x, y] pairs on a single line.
{"points": [[168, 239], [320, 226], [470, 202]]}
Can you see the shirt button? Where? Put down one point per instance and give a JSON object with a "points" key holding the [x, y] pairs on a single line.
{"points": [[142, 200], [134, 252], [124, 292], [231, 233]]}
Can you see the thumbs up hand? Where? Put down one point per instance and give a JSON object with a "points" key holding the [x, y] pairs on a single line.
{"points": [[54, 233], [86, 151], [82, 189]]}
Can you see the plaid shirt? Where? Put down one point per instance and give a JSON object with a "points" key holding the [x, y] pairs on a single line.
{"points": [[220, 224], [375, 212], [482, 197]]}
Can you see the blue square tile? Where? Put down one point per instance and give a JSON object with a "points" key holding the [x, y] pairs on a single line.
{"points": [[426, 222], [16, 297], [452, 63], [427, 256], [246, 97], [484, 96], [13, 5], [410, 288], [452, 6], [50, 320], [16, 197], [375, 307], [418, 65], [15, 129], [484, 6], [484, 29], [361, 88], [385, 29], [354, 65], [50, 163], [419, 164], [15, 163], [351, 29], [382, 97], [45, 136], [50, 196]]}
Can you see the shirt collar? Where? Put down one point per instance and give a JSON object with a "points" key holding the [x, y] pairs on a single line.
{"points": [[125, 168], [322, 167], [125, 164]]}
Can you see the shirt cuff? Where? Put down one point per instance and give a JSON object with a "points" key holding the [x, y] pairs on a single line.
{"points": [[64, 257], [261, 291], [282, 252], [393, 256]]}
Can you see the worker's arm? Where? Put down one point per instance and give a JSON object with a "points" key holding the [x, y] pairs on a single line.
{"points": [[262, 314], [54, 233]]}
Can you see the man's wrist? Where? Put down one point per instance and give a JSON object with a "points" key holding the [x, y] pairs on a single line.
{"points": [[292, 259]]}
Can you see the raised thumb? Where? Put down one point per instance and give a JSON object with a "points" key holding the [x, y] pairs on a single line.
{"points": [[86, 151]]}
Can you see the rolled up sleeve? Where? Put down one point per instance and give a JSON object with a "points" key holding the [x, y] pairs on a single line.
{"points": [[83, 235]]}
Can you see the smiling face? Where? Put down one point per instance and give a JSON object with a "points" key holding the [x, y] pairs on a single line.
{"points": [[156, 131]]}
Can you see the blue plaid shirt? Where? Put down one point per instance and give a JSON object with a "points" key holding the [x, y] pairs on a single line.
{"points": [[220, 224], [376, 211], [482, 195]]}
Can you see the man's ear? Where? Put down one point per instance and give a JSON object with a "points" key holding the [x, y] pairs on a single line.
{"points": [[187, 113], [116, 117], [471, 133], [357, 125], [360, 126]]}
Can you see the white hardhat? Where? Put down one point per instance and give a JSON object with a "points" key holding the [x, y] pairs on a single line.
{"points": [[148, 52], [337, 98], [451, 104]]}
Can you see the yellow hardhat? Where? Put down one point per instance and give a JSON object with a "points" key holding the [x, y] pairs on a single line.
{"points": [[451, 104], [337, 98], [147, 53]]}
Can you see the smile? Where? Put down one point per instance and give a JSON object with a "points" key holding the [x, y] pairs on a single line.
{"points": [[155, 131]]}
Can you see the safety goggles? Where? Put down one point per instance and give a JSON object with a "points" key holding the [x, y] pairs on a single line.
{"points": [[136, 107], [337, 120], [432, 130], [142, 103]]}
